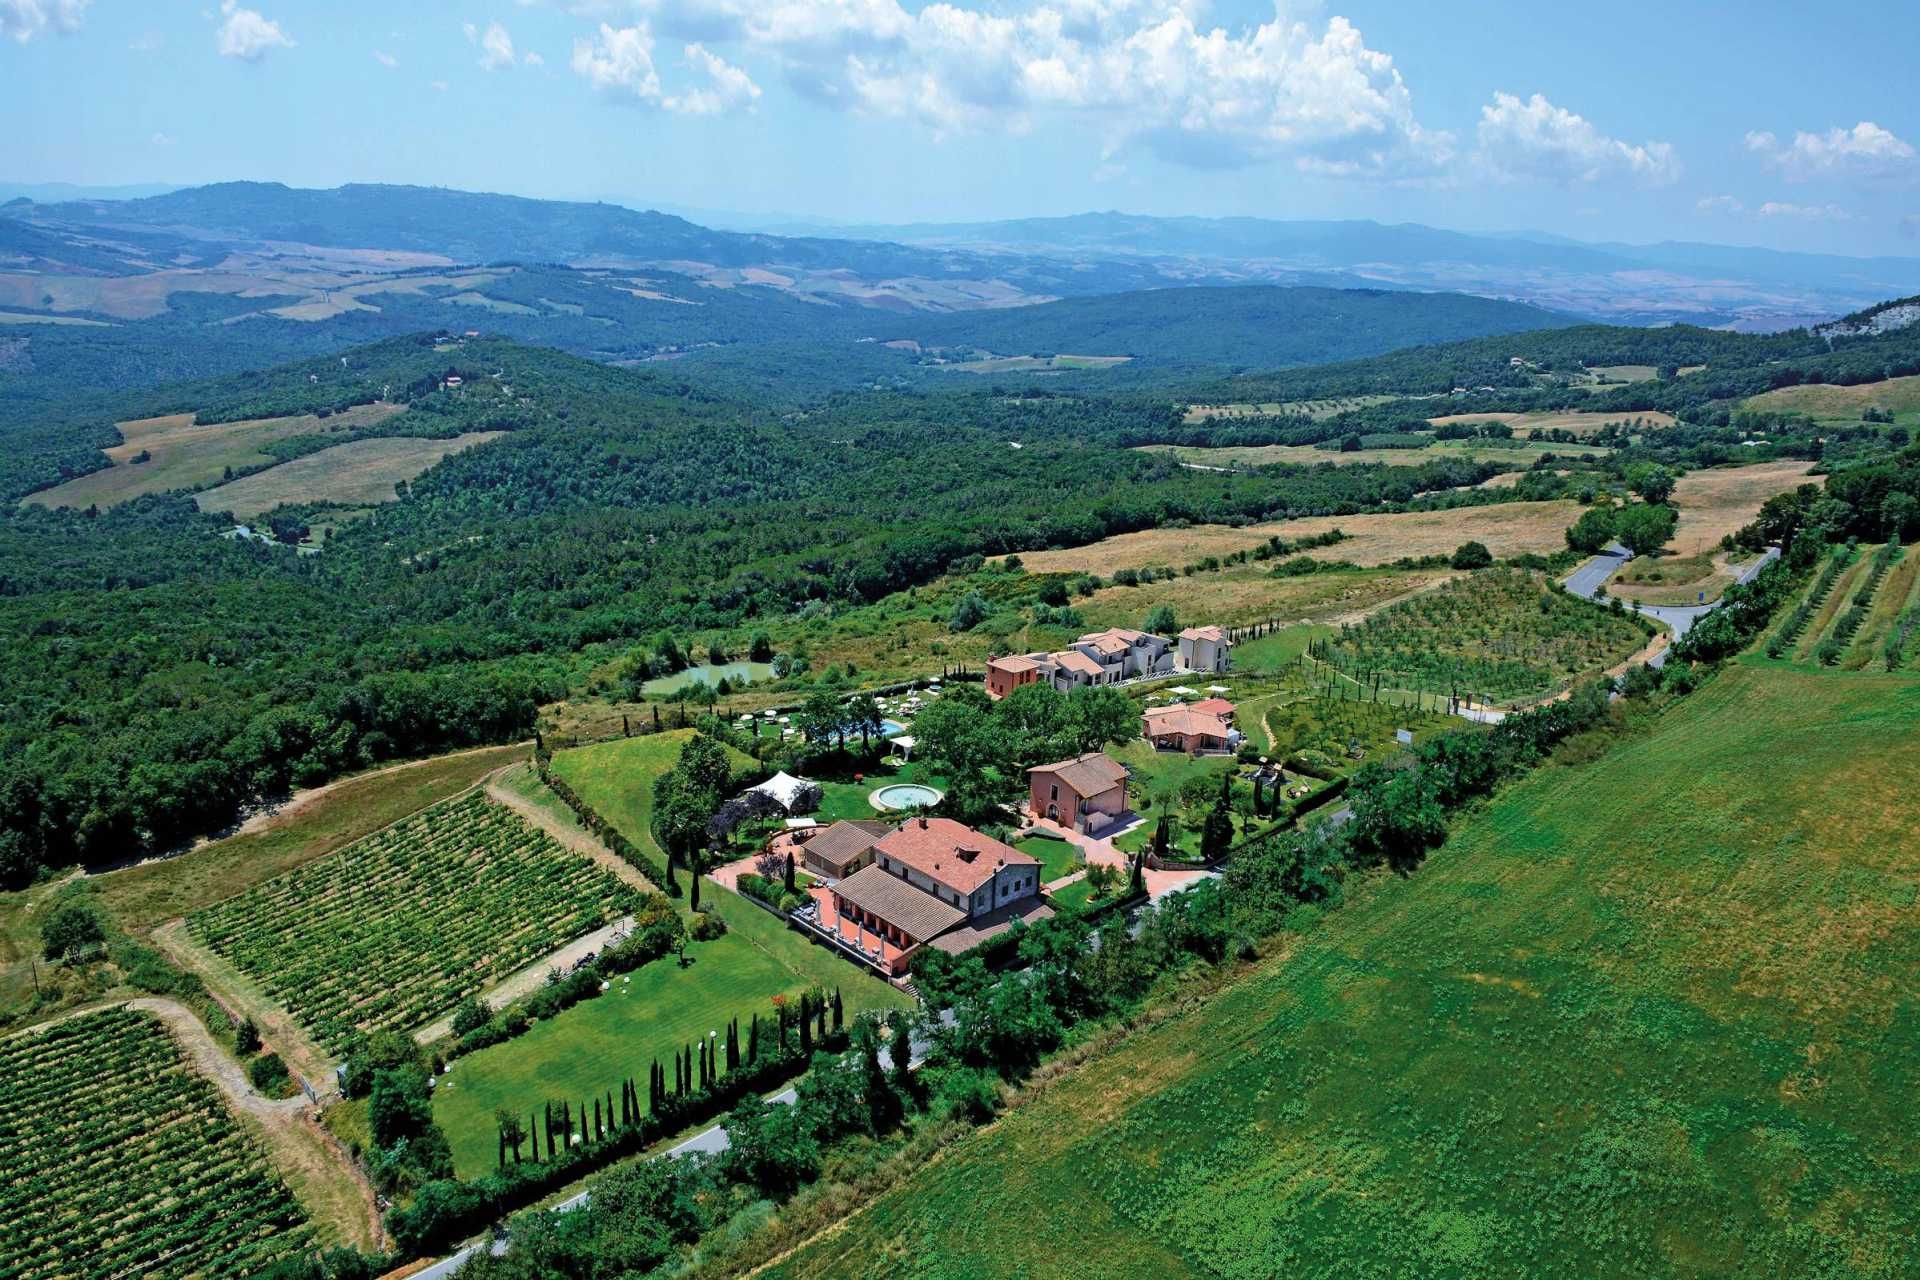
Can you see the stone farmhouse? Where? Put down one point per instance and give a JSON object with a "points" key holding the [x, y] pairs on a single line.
{"points": [[1112, 656]]}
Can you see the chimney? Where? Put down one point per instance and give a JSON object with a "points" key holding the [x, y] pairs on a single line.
{"points": [[923, 823]]}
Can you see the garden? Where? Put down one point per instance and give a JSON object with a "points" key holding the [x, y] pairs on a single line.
{"points": [[120, 1161], [650, 1013], [394, 929]]}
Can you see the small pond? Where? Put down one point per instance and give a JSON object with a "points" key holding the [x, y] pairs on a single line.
{"points": [[706, 673]]}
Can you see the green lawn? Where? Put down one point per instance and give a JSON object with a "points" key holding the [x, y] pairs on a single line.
{"points": [[1649, 1016], [592, 1047], [1074, 897], [617, 778], [1161, 774], [1057, 857], [847, 799], [1278, 649]]}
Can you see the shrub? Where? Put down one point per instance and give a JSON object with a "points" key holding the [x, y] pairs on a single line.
{"points": [[472, 1014], [1471, 555], [707, 926], [73, 930], [268, 1074]]}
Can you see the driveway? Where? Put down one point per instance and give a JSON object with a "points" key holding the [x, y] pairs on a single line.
{"points": [[1587, 580]]}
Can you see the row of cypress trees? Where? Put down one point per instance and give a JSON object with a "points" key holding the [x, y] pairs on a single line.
{"points": [[696, 1068]]}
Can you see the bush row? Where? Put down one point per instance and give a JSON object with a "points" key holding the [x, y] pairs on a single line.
{"points": [[660, 873]]}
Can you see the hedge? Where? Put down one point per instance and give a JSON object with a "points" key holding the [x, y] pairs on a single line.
{"points": [[590, 818], [447, 1210]]}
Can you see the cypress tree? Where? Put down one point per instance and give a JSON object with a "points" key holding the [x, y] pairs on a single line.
{"points": [[679, 1082], [820, 1017], [839, 1012], [501, 1134], [548, 1109], [533, 1137], [610, 1128], [733, 1045], [806, 1028], [753, 1040], [598, 1133]]}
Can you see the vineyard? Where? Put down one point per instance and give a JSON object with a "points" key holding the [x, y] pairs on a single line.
{"points": [[397, 928], [120, 1161], [1500, 634]]}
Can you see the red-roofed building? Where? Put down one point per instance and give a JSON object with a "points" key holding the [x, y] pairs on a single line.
{"points": [[1084, 793], [1004, 675], [1189, 728], [930, 881]]}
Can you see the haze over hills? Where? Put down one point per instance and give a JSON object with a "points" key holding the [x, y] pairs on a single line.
{"points": [[947, 266], [1741, 287]]}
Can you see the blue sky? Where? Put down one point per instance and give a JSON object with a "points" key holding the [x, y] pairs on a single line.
{"points": [[1766, 122]]}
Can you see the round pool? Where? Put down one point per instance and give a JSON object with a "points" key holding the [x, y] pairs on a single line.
{"points": [[904, 795]]}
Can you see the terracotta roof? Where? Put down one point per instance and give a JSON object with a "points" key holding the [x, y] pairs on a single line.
{"points": [[842, 842], [1014, 662], [1089, 775], [1213, 707], [1114, 633], [1074, 660], [1183, 720], [951, 853], [1104, 643], [914, 912], [984, 928], [1203, 633]]}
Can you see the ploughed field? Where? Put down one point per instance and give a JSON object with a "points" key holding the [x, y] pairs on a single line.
{"points": [[120, 1161], [396, 928], [1652, 1015]]}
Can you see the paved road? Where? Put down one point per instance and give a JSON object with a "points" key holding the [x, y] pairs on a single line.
{"points": [[1587, 580]]}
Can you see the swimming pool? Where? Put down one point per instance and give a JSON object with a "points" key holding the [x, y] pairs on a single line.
{"points": [[904, 795]]}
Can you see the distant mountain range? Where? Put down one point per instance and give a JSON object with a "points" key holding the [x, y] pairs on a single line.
{"points": [[1623, 283], [942, 266]]}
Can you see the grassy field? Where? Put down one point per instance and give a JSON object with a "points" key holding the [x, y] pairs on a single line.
{"points": [[122, 1161], [656, 1010], [185, 456], [1315, 409], [396, 928], [1672, 579], [616, 778], [361, 472], [1519, 453], [1578, 422], [1900, 395], [1649, 1016], [1507, 528], [1717, 501]]}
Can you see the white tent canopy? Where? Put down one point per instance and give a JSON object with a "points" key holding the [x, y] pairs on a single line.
{"points": [[782, 787]]}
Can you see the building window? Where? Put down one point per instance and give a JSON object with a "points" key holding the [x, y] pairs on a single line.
{"points": [[1053, 792]]}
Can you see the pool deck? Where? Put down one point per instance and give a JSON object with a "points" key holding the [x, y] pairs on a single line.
{"points": [[880, 806]]}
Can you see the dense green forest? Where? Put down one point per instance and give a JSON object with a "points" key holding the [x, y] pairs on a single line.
{"points": [[162, 675], [1239, 325]]}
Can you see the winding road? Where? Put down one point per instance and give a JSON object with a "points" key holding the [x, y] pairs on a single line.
{"points": [[1587, 580]]}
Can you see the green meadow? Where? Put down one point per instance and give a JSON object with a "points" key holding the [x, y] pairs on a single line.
{"points": [[1650, 1015], [589, 1049]]}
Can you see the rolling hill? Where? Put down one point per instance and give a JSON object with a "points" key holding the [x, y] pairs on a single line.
{"points": [[1243, 325]]}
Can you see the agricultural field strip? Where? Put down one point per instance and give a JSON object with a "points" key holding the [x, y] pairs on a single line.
{"points": [[120, 1160], [1502, 633], [394, 929]]}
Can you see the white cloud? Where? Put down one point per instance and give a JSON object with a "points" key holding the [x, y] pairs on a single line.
{"points": [[619, 61], [496, 46], [1805, 212], [1865, 151], [727, 86], [1145, 72], [22, 20], [385, 59], [162, 140], [532, 59], [1720, 204], [247, 35], [438, 86], [1535, 140]]}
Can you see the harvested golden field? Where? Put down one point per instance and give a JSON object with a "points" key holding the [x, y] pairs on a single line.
{"points": [[1898, 394], [1249, 593], [361, 472], [1715, 502], [1577, 422], [186, 455], [1508, 528], [1519, 453]]}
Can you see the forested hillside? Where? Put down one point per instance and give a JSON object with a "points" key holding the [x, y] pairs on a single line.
{"points": [[1244, 325]]}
